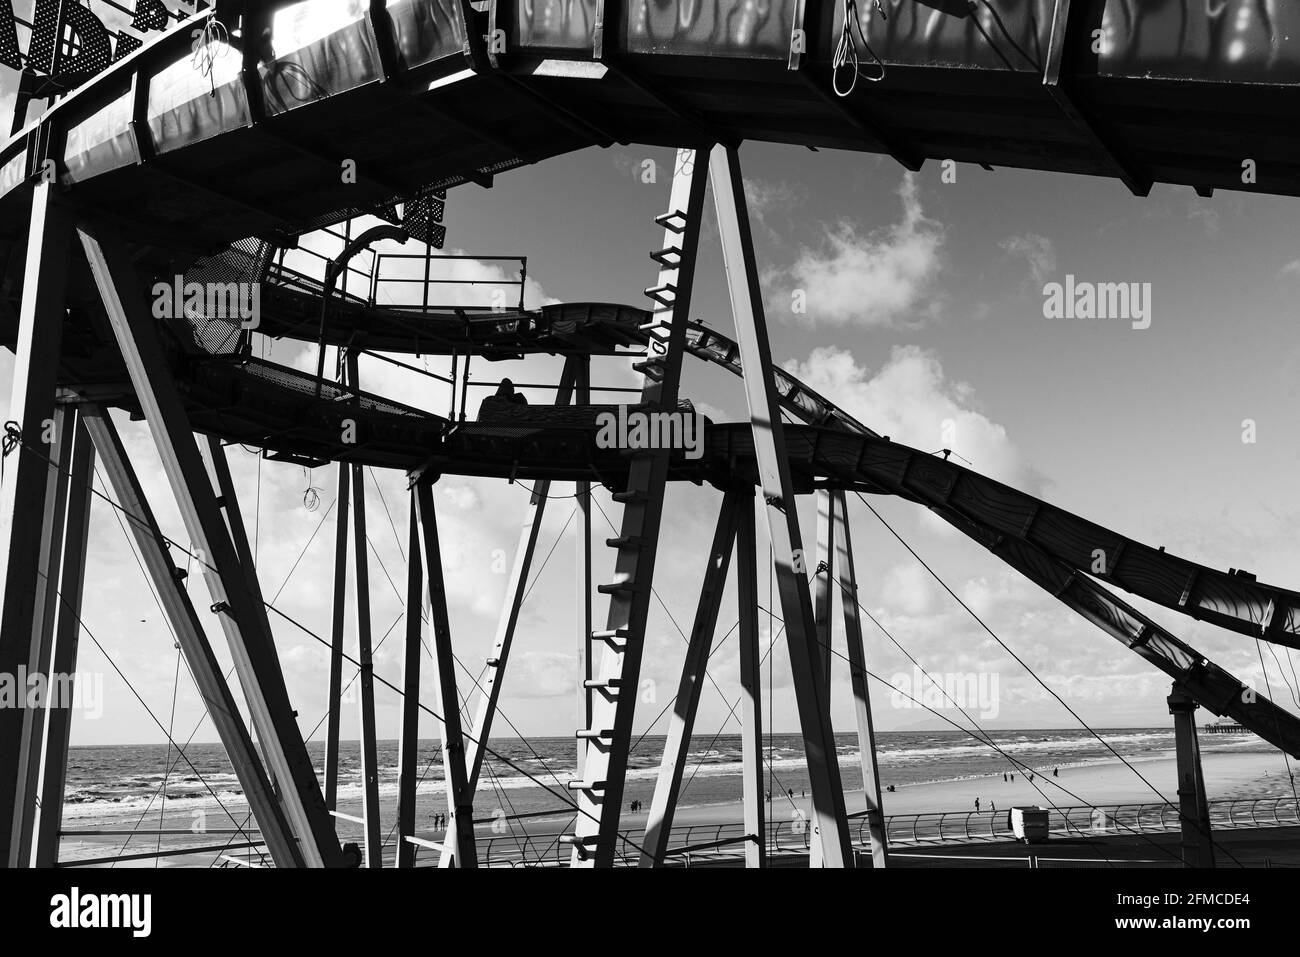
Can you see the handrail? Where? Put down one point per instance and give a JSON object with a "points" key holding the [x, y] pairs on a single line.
{"points": [[692, 843]]}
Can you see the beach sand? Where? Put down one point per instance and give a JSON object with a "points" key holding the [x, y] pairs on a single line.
{"points": [[1227, 776]]}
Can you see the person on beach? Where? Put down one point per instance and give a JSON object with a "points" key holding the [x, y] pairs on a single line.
{"points": [[977, 804], [1004, 777], [1056, 772], [1013, 779]]}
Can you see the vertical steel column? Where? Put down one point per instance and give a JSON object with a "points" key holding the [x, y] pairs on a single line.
{"points": [[609, 736], [27, 774], [751, 683], [582, 558], [829, 822], [175, 599], [848, 580], [823, 612], [677, 745], [516, 588], [459, 796], [1193, 809], [825, 597], [408, 742], [338, 624], [366, 678], [63, 657], [25, 487], [242, 617]]}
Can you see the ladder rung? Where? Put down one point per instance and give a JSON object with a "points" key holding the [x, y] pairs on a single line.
{"points": [[609, 634], [617, 588], [600, 684], [659, 293], [585, 785], [625, 541], [594, 733], [493, 662], [653, 368], [662, 256], [629, 496], [674, 221]]}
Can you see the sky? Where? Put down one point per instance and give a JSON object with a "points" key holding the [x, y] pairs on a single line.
{"points": [[924, 318]]}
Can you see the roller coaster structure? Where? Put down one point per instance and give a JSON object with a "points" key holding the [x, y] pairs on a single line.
{"points": [[209, 148]]}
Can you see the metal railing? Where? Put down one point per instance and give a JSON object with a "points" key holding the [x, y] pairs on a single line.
{"points": [[692, 844], [389, 269]]}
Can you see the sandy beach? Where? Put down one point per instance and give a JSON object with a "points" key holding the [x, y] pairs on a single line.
{"points": [[1227, 775]]}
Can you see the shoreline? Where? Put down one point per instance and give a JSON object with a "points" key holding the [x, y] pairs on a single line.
{"points": [[1228, 776]]}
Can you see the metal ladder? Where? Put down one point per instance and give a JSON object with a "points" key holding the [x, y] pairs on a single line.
{"points": [[612, 692]]}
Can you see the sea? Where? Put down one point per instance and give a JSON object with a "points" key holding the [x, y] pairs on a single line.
{"points": [[153, 785]]}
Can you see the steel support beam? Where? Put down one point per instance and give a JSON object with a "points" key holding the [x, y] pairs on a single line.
{"points": [[582, 575], [460, 798], [1054, 72], [677, 745], [824, 600], [63, 657], [848, 584], [373, 854], [242, 616], [503, 640], [829, 822], [823, 613], [751, 683], [202, 662], [600, 794], [26, 482], [32, 746], [1193, 809], [338, 624], [408, 741]]}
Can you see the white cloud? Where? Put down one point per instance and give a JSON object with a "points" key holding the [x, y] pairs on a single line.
{"points": [[913, 402], [876, 278], [1036, 250]]}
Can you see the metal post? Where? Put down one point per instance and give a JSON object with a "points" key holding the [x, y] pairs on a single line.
{"points": [[751, 683], [823, 611], [848, 582], [242, 617], [460, 798], [677, 745], [408, 742], [502, 642], [582, 558], [66, 625], [337, 637], [25, 487], [180, 612], [366, 678], [829, 821], [32, 746], [1193, 808]]}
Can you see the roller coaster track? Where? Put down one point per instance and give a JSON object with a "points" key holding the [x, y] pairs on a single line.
{"points": [[1064, 554]]}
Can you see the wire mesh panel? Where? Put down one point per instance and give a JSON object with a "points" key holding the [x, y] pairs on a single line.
{"points": [[244, 264], [423, 217]]}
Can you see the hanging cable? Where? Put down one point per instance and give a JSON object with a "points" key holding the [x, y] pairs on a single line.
{"points": [[846, 50], [1020, 661]]}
